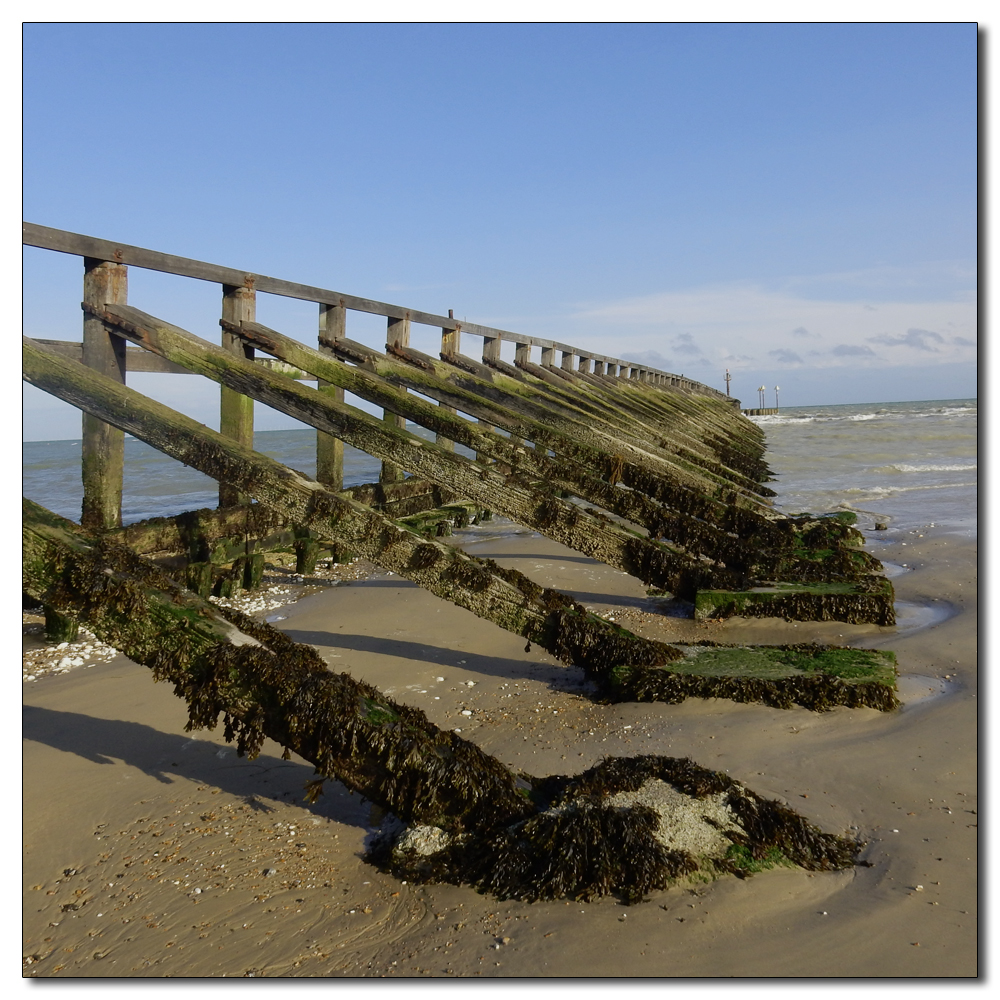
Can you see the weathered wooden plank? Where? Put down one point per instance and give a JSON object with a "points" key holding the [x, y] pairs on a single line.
{"points": [[491, 349], [239, 303], [451, 341], [329, 449], [194, 534], [451, 336], [397, 338], [136, 359], [103, 445]]}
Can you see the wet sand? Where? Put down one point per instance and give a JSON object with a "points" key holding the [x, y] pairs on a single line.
{"points": [[151, 852]]}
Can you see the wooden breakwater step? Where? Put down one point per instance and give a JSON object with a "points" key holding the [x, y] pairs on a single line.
{"points": [[607, 653], [221, 551], [645, 470], [467, 818], [796, 550], [802, 549], [664, 453]]}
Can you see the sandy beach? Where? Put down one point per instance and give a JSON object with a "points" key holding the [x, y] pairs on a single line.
{"points": [[153, 852]]}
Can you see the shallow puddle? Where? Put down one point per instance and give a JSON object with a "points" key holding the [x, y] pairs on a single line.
{"points": [[911, 616], [916, 688]]}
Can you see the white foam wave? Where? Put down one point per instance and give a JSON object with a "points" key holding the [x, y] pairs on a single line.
{"points": [[882, 491], [879, 414], [932, 468]]}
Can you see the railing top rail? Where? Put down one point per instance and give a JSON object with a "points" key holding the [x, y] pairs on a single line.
{"points": [[62, 241]]}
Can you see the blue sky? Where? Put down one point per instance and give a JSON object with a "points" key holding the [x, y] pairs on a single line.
{"points": [[794, 202]]}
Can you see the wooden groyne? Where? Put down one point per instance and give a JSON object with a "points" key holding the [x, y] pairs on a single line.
{"points": [[645, 470], [649, 472]]}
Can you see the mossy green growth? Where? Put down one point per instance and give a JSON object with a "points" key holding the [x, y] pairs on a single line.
{"points": [[378, 714], [740, 861], [868, 600], [816, 677], [853, 665]]}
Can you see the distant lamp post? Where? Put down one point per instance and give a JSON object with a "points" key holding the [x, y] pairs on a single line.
{"points": [[760, 392], [776, 388]]}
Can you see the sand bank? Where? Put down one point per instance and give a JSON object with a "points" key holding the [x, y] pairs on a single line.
{"points": [[155, 852]]}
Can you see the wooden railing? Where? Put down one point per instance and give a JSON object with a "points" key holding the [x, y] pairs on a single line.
{"points": [[106, 267], [241, 285]]}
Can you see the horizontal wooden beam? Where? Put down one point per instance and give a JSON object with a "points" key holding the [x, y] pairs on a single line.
{"points": [[62, 241]]}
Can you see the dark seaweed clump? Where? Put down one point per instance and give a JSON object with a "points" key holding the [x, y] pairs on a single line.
{"points": [[581, 847]]}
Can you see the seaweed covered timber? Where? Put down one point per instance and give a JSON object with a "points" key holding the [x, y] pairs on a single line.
{"points": [[704, 531], [625, 827], [625, 666]]}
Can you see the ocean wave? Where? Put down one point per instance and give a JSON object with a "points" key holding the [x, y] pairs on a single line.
{"points": [[879, 413], [883, 491], [777, 419], [900, 467]]}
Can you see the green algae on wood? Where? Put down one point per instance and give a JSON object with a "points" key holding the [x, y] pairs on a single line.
{"points": [[262, 684], [813, 676], [868, 600], [509, 599]]}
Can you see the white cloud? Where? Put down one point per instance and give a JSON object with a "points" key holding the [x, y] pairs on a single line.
{"points": [[922, 340], [744, 325]]}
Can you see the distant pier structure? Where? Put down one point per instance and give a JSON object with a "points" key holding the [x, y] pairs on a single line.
{"points": [[762, 410]]}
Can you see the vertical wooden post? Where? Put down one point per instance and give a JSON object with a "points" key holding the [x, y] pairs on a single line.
{"points": [[491, 349], [598, 367], [397, 334], [567, 361], [451, 339], [584, 365], [522, 354], [449, 345], [548, 356], [239, 303], [103, 445], [330, 449], [491, 352]]}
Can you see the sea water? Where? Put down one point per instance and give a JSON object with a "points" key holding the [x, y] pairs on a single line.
{"points": [[155, 485], [907, 464]]}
